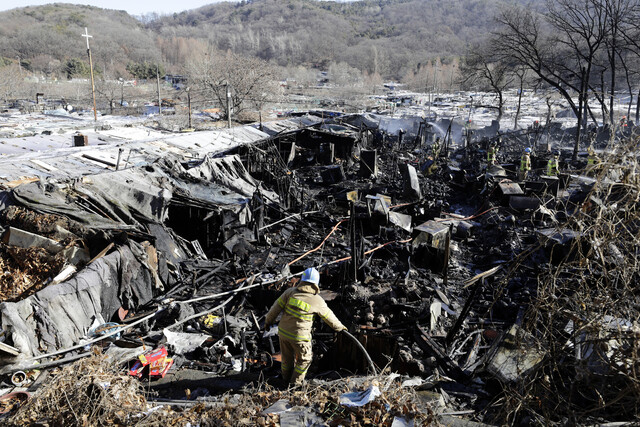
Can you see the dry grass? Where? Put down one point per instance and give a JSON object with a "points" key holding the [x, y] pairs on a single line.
{"points": [[323, 399], [25, 270], [94, 392], [90, 392]]}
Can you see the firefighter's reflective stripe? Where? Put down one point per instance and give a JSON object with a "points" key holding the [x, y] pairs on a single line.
{"points": [[299, 309], [292, 336], [295, 313], [525, 163], [491, 155], [300, 370], [281, 303], [299, 304]]}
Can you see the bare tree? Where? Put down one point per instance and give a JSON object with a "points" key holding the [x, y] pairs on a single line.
{"points": [[621, 17], [11, 81], [112, 91], [486, 71], [245, 80], [560, 50], [631, 38], [521, 74]]}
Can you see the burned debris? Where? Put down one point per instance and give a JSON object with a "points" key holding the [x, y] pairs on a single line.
{"points": [[140, 283]]}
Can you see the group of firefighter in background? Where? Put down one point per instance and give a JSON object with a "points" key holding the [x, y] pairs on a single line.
{"points": [[553, 164]]}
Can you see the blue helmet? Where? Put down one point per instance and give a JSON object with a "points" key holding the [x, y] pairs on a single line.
{"points": [[527, 150], [311, 275]]}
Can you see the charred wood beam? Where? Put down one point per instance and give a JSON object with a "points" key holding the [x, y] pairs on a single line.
{"points": [[354, 253], [447, 254], [464, 313], [217, 269], [478, 280], [429, 345], [244, 350]]}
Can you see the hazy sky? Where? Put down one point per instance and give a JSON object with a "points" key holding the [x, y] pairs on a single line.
{"points": [[134, 7]]}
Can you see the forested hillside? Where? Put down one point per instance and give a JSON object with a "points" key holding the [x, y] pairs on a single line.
{"points": [[46, 37], [388, 37]]}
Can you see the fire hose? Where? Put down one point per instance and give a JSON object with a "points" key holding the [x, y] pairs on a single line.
{"points": [[364, 351]]}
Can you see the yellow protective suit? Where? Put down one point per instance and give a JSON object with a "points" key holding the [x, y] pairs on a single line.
{"points": [[300, 305]]}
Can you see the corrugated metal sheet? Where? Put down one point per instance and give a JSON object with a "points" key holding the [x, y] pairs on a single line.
{"points": [[55, 158], [287, 125]]}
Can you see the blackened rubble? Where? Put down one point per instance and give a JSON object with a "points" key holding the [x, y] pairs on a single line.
{"points": [[496, 299]]}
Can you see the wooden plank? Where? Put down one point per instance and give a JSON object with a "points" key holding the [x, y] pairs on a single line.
{"points": [[20, 181], [479, 276], [45, 166], [9, 349], [102, 252], [100, 158], [83, 159]]}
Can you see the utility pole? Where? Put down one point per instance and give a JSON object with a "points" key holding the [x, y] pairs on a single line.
{"points": [[228, 105], [158, 88], [19, 64], [93, 85], [451, 80], [427, 90], [435, 78], [121, 80], [189, 102]]}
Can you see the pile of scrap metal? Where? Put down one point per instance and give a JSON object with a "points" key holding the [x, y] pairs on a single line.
{"points": [[433, 260]]}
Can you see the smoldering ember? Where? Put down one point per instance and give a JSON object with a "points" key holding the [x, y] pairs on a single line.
{"points": [[470, 246]]}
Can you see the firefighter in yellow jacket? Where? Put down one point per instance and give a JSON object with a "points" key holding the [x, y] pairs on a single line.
{"points": [[492, 153], [300, 304], [525, 164], [553, 164], [593, 161]]}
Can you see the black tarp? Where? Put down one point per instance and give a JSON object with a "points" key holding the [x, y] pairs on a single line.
{"points": [[58, 316]]}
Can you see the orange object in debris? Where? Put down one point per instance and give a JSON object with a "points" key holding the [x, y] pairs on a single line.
{"points": [[157, 361], [161, 368], [122, 313]]}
